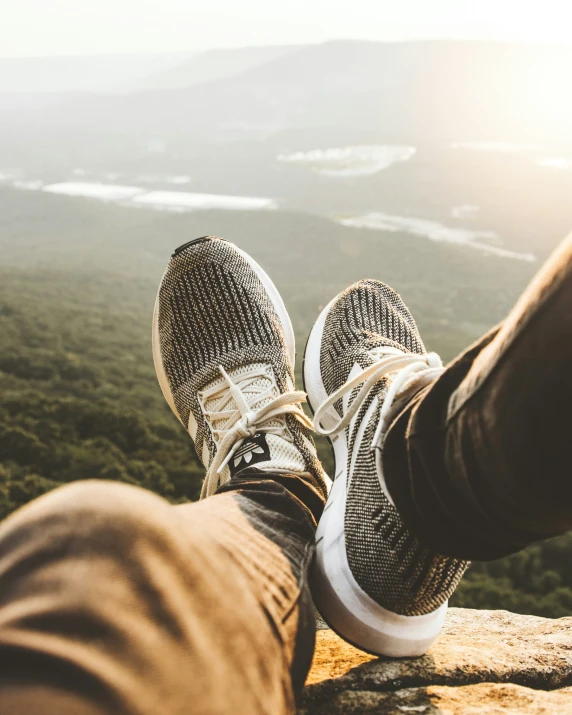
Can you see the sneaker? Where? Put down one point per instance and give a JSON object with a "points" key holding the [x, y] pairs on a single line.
{"points": [[223, 348], [373, 581]]}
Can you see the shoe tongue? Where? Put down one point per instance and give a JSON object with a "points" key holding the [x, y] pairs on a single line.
{"points": [[374, 341], [263, 450], [365, 359], [263, 383]]}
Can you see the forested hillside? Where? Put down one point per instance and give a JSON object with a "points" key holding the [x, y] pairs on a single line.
{"points": [[79, 397]]}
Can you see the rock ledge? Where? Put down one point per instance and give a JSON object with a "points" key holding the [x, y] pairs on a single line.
{"points": [[483, 662]]}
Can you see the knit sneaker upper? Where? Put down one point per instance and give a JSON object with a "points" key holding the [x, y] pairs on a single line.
{"points": [[387, 561], [224, 356]]}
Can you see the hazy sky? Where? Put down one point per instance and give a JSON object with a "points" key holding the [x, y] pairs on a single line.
{"points": [[60, 27]]}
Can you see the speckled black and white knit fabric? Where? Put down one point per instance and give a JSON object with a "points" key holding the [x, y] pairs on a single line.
{"points": [[388, 563], [213, 310]]}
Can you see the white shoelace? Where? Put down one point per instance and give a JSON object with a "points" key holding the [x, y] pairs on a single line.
{"points": [[408, 373], [245, 420]]}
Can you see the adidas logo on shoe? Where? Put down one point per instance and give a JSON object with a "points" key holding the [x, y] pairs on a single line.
{"points": [[251, 452]]}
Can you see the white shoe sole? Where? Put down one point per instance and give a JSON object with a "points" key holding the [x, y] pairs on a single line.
{"points": [[342, 602], [279, 307]]}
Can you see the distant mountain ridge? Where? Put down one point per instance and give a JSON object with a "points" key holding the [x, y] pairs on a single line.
{"points": [[83, 73], [401, 92], [124, 73], [211, 65]]}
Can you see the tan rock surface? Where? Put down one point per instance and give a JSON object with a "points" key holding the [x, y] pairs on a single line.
{"points": [[476, 648], [489, 698]]}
